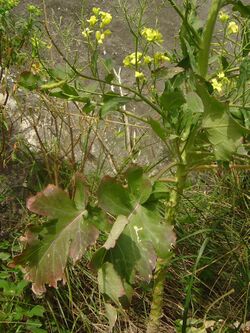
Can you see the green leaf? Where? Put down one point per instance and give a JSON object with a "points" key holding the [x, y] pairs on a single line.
{"points": [[111, 284], [61, 73], [238, 6], [223, 131], [98, 218], [65, 91], [56, 88], [4, 256], [18, 313], [244, 72], [146, 226], [190, 53], [157, 128], [81, 191], [246, 116], [172, 100], [109, 65], [20, 286], [139, 186], [88, 107], [29, 80], [224, 63], [113, 197], [11, 288], [34, 329], [194, 103], [109, 78], [246, 39], [4, 245], [116, 232], [36, 311], [8, 288], [160, 190], [133, 248], [34, 326], [112, 102], [137, 237], [47, 247]]}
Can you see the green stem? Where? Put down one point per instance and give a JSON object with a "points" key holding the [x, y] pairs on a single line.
{"points": [[158, 293], [203, 56], [161, 266]]}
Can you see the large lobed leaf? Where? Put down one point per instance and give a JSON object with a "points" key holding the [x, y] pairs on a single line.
{"points": [[49, 246], [138, 236]]}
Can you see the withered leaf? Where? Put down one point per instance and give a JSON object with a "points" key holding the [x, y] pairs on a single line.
{"points": [[67, 234]]}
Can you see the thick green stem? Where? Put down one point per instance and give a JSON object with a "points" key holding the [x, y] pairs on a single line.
{"points": [[203, 56], [161, 266], [157, 300]]}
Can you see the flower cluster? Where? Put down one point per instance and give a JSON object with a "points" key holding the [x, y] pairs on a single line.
{"points": [[152, 35], [106, 19], [224, 17], [140, 76], [100, 20], [160, 57], [38, 43], [138, 60], [216, 85], [133, 59], [36, 68], [157, 59], [232, 28], [219, 81], [34, 10]]}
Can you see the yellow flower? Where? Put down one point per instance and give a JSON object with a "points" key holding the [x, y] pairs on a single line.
{"points": [[221, 75], [96, 10], [92, 20], [130, 60], [107, 32], [34, 10], [86, 32], [99, 37], [37, 42], [147, 59], [106, 19], [152, 35], [160, 57], [223, 17], [232, 28], [140, 76], [217, 85], [36, 68]]}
